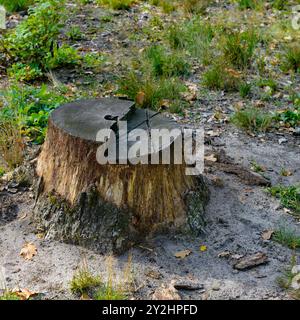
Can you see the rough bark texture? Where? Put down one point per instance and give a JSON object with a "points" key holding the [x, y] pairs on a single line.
{"points": [[110, 207]]}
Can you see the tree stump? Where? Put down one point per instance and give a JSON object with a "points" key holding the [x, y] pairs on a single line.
{"points": [[112, 206]]}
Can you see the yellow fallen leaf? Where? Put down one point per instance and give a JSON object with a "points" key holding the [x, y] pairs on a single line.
{"points": [[183, 254], [24, 294], [203, 248], [212, 158], [28, 251]]}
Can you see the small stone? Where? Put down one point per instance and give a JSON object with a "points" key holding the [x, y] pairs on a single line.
{"points": [[296, 282], [216, 286], [282, 140], [297, 131], [295, 269]]}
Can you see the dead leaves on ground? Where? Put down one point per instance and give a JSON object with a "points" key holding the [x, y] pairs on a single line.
{"points": [[267, 235], [24, 294], [182, 254], [28, 251]]}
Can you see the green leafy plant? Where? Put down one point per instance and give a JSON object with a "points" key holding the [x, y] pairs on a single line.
{"points": [[30, 106], [290, 116], [16, 5], [289, 196], [24, 72], [245, 89], [74, 33], [252, 120], [2, 172]]}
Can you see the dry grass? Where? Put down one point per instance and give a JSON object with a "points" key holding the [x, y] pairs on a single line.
{"points": [[12, 144]]}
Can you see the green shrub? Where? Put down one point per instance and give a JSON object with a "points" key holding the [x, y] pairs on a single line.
{"points": [[238, 48], [24, 72], [35, 38], [74, 33], [65, 56], [252, 120], [290, 116], [16, 5]]}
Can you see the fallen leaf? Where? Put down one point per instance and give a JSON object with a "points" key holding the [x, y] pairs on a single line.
{"points": [[212, 158], [183, 254], [203, 248], [140, 98], [28, 251], [85, 296], [267, 235], [24, 294]]}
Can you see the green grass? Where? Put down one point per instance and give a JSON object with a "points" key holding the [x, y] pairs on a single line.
{"points": [[252, 120], [83, 281], [2, 172], [289, 197], [250, 4], [238, 48], [291, 58], [219, 78], [16, 5], [167, 64], [287, 237], [195, 6], [117, 4], [245, 89], [153, 91], [7, 295]]}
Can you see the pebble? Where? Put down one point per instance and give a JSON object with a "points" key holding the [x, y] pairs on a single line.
{"points": [[216, 286], [296, 282], [296, 269], [282, 140]]}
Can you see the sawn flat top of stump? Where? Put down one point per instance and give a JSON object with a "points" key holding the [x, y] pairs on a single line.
{"points": [[84, 118]]}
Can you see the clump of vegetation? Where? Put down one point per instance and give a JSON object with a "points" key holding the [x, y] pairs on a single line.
{"points": [[11, 143], [150, 92], [74, 33], [196, 6], [252, 120], [287, 237], [193, 36], [166, 64], [238, 48], [83, 281], [86, 284], [32, 47], [30, 106], [245, 89], [289, 197], [9, 296], [16, 5], [117, 4], [250, 4], [219, 78], [2, 172], [291, 58], [290, 117]]}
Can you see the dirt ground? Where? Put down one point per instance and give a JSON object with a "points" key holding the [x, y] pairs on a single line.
{"points": [[236, 216]]}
